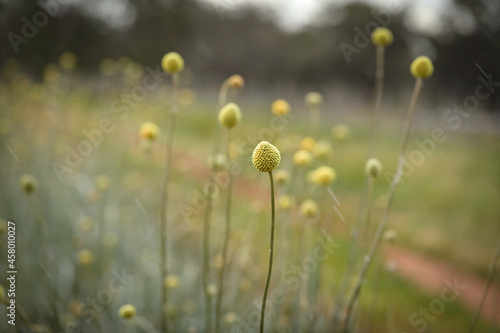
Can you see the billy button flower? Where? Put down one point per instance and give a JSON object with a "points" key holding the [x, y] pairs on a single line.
{"points": [[373, 168], [322, 149], [313, 99], [282, 177], [172, 63], [217, 161], [324, 176], [127, 311], [309, 209], [236, 82], [280, 107], [230, 115], [149, 131], [28, 183], [382, 37], [285, 202], [341, 132], [85, 257], [302, 158], [266, 158], [422, 67], [307, 143]]}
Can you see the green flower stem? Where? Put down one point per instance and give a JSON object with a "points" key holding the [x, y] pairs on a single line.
{"points": [[271, 251], [491, 275], [379, 88], [208, 218], [365, 231], [225, 246], [164, 202], [383, 221]]}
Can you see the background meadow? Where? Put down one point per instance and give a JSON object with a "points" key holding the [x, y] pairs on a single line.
{"points": [[87, 236]]}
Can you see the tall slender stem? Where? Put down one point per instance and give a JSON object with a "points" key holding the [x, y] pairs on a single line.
{"points": [[379, 88], [365, 231], [271, 251], [383, 221], [491, 275], [164, 202], [225, 246], [208, 218]]}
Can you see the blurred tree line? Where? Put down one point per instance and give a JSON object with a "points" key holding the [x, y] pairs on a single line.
{"points": [[217, 41]]}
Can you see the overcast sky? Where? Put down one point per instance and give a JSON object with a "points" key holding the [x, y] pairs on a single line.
{"points": [[425, 15]]}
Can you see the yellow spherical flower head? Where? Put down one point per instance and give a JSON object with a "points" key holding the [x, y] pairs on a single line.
{"points": [[172, 63], [127, 311], [302, 158], [102, 182], [422, 67], [28, 183], [307, 143], [110, 239], [236, 82], [68, 60], [172, 281], [373, 168], [266, 157], [285, 202], [149, 131], [85, 257], [211, 289], [382, 37], [230, 317], [107, 67], [309, 209], [390, 236], [217, 161], [313, 99], [230, 115], [324, 176], [85, 224], [280, 107], [322, 149], [281, 177], [341, 132]]}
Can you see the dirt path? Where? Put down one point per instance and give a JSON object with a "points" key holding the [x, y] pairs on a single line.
{"points": [[429, 275], [425, 272]]}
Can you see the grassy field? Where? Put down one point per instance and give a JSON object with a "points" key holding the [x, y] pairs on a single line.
{"points": [[96, 219]]}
